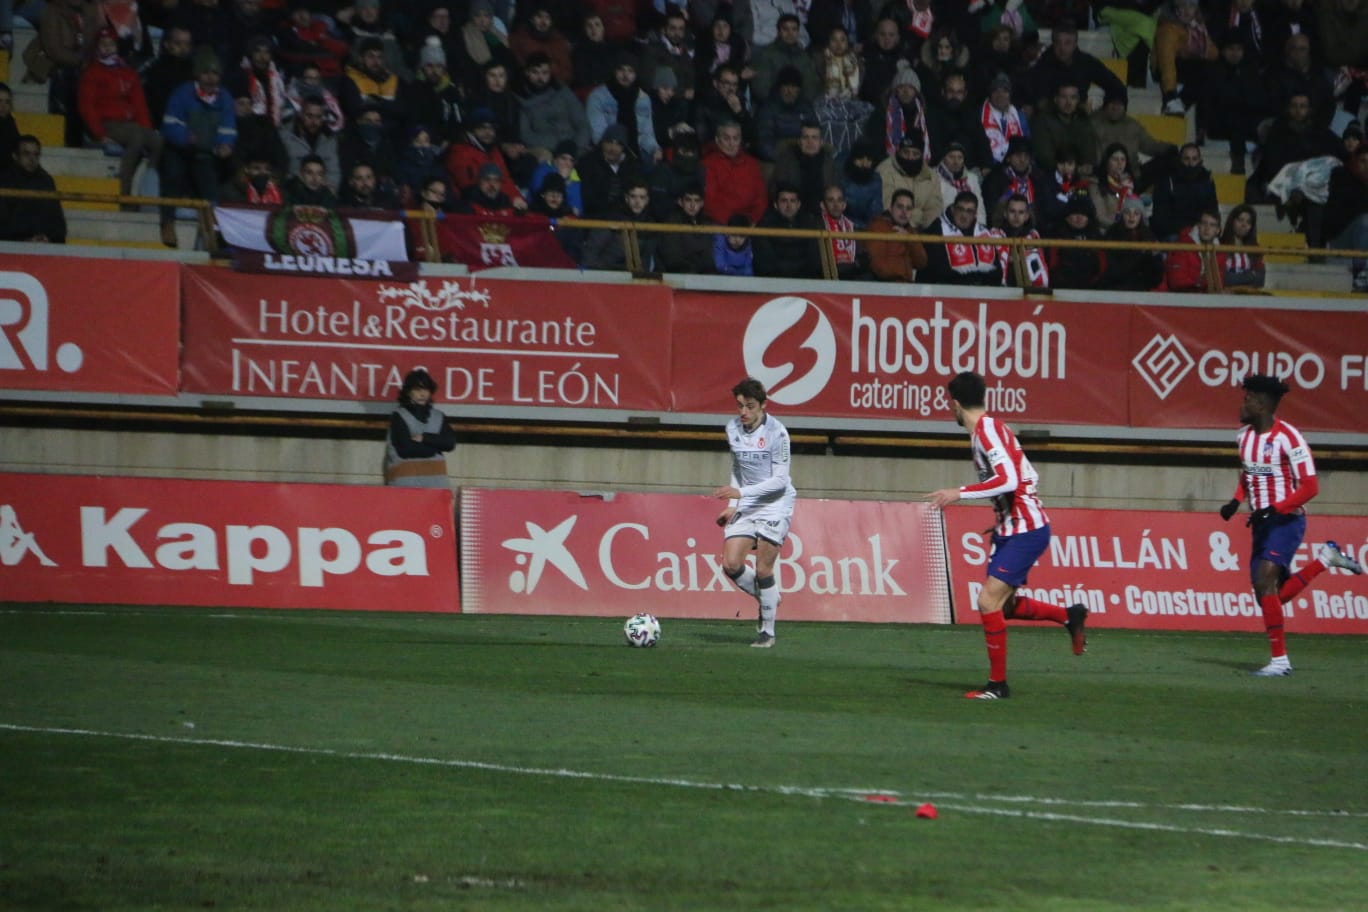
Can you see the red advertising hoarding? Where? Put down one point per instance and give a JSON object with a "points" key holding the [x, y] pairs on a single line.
{"points": [[161, 541], [497, 343], [1164, 571], [890, 357], [1188, 363], [96, 326], [610, 554]]}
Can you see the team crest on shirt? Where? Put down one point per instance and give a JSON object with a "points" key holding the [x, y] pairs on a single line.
{"points": [[760, 444]]}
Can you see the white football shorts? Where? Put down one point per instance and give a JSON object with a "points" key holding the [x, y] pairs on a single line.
{"points": [[772, 526]]}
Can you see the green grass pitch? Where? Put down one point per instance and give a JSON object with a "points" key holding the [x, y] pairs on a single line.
{"points": [[231, 759]]}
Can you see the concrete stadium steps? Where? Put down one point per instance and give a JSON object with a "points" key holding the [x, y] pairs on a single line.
{"points": [[135, 229], [1329, 278], [23, 34], [85, 163], [30, 97]]}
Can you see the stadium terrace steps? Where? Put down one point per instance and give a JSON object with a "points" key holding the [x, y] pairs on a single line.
{"points": [[88, 163], [30, 97], [1328, 278], [138, 228]]}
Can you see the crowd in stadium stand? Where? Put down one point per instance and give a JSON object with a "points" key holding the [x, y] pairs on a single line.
{"points": [[941, 117]]}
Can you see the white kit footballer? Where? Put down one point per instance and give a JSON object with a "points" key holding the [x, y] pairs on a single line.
{"points": [[760, 471]]}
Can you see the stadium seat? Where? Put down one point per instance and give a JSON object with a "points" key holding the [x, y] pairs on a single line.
{"points": [[49, 128], [1289, 239], [1230, 189], [70, 184], [1162, 127]]}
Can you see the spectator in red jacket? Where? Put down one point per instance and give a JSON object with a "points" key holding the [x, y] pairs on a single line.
{"points": [[481, 147], [732, 180], [307, 40], [1185, 271], [114, 109]]}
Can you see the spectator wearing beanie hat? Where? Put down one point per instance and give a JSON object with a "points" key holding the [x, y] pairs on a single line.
{"points": [[902, 114], [669, 110], [114, 108], [199, 131], [562, 164], [435, 100], [478, 44]]}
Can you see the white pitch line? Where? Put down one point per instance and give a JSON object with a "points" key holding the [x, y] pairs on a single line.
{"points": [[884, 796]]}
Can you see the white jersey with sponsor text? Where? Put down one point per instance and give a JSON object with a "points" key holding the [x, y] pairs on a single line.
{"points": [[1273, 464], [760, 467], [1007, 476]]}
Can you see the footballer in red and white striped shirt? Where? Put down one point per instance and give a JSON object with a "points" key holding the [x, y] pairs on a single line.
{"points": [[1021, 534], [1277, 478]]}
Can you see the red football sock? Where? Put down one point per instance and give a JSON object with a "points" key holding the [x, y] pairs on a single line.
{"points": [[1300, 580], [1029, 609], [995, 637], [1273, 623]]}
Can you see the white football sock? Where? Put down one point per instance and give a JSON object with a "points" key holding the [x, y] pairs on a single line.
{"points": [[769, 607]]}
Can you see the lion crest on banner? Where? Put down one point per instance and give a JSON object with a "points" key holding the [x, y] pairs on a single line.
{"points": [[494, 247], [310, 231]]}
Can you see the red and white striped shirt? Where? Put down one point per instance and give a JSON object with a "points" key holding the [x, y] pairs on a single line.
{"points": [[1274, 465], [1007, 476]]}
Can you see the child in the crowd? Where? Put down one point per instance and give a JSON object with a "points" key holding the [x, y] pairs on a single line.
{"points": [[732, 253]]}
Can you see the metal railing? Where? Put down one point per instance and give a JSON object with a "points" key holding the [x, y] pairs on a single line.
{"points": [[1016, 246], [630, 231]]}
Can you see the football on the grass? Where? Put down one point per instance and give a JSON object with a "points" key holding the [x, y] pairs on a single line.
{"points": [[641, 630]]}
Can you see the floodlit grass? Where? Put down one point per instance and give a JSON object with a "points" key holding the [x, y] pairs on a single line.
{"points": [[178, 758]]}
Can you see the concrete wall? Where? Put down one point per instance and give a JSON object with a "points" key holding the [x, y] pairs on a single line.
{"points": [[244, 458]]}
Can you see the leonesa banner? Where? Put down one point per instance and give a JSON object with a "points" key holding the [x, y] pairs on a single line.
{"points": [[890, 357], [161, 541], [616, 554], [485, 343], [98, 326], [1164, 571]]}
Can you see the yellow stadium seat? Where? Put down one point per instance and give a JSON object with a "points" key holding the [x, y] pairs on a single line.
{"points": [[88, 185], [1230, 189], [1289, 239], [111, 242], [49, 128], [1163, 127], [4, 66], [1117, 65]]}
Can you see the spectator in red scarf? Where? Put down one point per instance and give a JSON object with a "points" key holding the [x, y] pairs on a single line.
{"points": [[114, 109]]}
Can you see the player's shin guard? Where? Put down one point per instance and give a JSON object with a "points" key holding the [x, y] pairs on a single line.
{"points": [[1300, 580], [769, 603], [744, 579], [1029, 609], [995, 638], [1273, 623]]}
